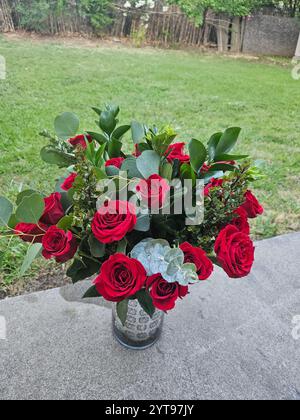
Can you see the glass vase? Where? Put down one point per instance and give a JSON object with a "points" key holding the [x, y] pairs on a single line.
{"points": [[140, 331]]}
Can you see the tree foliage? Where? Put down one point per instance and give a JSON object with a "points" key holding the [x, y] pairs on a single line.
{"points": [[197, 8]]}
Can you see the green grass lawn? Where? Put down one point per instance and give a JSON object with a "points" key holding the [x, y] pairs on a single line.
{"points": [[197, 94]]}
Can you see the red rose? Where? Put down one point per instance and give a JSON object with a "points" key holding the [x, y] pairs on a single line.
{"points": [[235, 252], [164, 294], [176, 151], [205, 168], [198, 257], [154, 191], [31, 233], [241, 222], [80, 140], [59, 244], [117, 162], [214, 183], [113, 221], [68, 183], [252, 206], [53, 210], [120, 278]]}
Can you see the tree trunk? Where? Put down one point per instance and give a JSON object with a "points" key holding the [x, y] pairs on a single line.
{"points": [[6, 22]]}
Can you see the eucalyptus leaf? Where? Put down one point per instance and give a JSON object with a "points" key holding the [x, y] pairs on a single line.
{"points": [[53, 156], [138, 132], [6, 210], [130, 166], [148, 163], [143, 223], [23, 194], [66, 125], [32, 253], [31, 209]]}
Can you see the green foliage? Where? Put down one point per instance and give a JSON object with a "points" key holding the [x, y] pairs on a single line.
{"points": [[98, 12], [6, 209], [32, 253], [35, 15], [196, 8], [92, 293], [122, 310]]}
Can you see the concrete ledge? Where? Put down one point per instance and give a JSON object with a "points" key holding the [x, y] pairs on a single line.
{"points": [[229, 339]]}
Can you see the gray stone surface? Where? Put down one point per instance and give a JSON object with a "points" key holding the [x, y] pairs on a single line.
{"points": [[229, 339], [271, 35]]}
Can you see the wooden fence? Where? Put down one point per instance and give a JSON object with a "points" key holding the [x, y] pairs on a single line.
{"points": [[160, 25]]}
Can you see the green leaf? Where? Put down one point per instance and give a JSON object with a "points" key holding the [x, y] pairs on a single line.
{"points": [[138, 132], [213, 144], [122, 246], [167, 171], [12, 221], [130, 166], [146, 302], [83, 269], [228, 158], [198, 154], [222, 167], [107, 121], [187, 172], [100, 138], [31, 209], [65, 223], [212, 174], [56, 157], [23, 194], [120, 132], [122, 310], [32, 253], [66, 125], [92, 293], [96, 247], [112, 171], [148, 163], [6, 210], [114, 148], [143, 223], [97, 110], [228, 140]]}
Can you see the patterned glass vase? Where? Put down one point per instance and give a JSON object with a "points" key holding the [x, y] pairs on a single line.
{"points": [[140, 330]]}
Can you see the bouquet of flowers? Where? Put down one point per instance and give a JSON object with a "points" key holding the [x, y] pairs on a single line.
{"points": [[148, 224]]}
